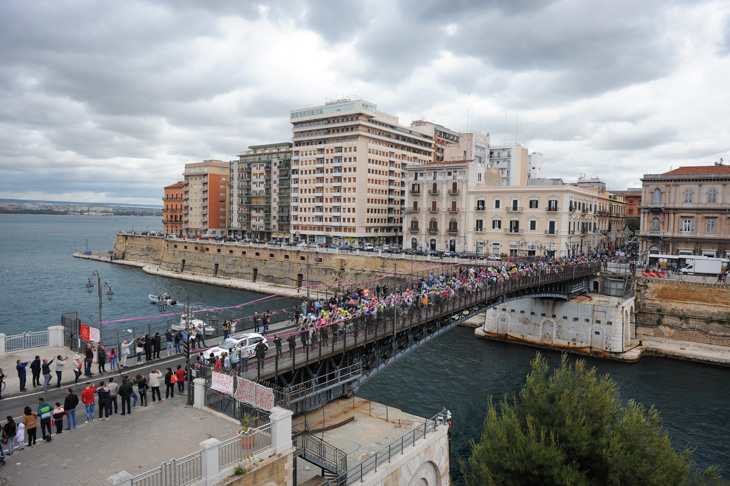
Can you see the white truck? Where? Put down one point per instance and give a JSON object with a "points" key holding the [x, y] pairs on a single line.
{"points": [[704, 265]]}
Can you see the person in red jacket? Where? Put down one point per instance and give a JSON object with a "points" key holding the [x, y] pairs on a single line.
{"points": [[87, 397], [180, 375]]}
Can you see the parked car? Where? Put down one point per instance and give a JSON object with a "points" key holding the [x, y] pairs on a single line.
{"points": [[368, 247], [452, 254], [246, 342], [348, 248]]}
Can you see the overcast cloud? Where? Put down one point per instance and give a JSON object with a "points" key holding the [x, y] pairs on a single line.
{"points": [[106, 101]]}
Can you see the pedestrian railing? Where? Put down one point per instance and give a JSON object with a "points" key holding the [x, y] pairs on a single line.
{"points": [[27, 340], [319, 452], [245, 445], [386, 454], [177, 472]]}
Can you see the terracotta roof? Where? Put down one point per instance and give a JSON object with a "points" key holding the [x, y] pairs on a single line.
{"points": [[176, 185], [701, 169]]}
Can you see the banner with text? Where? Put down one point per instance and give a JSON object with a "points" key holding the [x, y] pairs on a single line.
{"points": [[222, 383], [254, 394]]}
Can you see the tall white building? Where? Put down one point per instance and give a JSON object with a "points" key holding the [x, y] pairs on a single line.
{"points": [[535, 162], [512, 161], [347, 170]]}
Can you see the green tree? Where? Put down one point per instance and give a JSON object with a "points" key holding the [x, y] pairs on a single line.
{"points": [[570, 428], [633, 223]]}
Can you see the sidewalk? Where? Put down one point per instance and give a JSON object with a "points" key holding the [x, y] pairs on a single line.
{"points": [[91, 453], [703, 353]]}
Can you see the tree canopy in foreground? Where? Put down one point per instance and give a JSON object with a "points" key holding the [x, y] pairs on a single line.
{"points": [[570, 428]]}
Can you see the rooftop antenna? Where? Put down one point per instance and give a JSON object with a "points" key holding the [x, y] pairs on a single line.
{"points": [[504, 136], [468, 100]]}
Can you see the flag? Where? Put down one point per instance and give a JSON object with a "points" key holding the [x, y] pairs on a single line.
{"points": [[84, 332], [94, 334]]}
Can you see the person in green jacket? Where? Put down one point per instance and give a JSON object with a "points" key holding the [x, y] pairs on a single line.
{"points": [[44, 412]]}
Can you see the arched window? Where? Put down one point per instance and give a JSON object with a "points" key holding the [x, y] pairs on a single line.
{"points": [[689, 195], [657, 197], [414, 223], [710, 226], [712, 195], [655, 224]]}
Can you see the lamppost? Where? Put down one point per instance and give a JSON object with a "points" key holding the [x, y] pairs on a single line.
{"points": [[109, 294]]}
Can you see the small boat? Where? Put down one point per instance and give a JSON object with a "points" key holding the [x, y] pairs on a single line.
{"points": [[209, 330], [164, 298]]}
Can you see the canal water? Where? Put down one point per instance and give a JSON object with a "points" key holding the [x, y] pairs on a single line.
{"points": [[456, 371]]}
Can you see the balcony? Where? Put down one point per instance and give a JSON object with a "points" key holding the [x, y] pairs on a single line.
{"points": [[551, 232], [318, 213], [336, 184], [551, 209], [391, 196], [336, 214], [294, 203], [433, 192], [336, 223], [295, 213], [318, 194], [413, 229], [319, 175], [393, 188], [416, 192], [392, 178], [391, 215], [655, 233], [337, 164], [453, 192], [513, 231], [433, 230], [336, 194], [392, 159], [479, 230], [337, 154], [295, 167], [319, 184], [479, 208], [319, 166], [336, 204], [337, 174], [454, 210], [318, 204], [319, 223], [319, 156], [433, 210], [295, 157], [511, 209], [453, 230], [391, 206]]}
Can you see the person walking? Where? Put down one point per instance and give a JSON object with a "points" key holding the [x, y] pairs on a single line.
{"points": [[89, 401], [125, 352], [77, 368], [180, 377], [260, 354], [35, 369], [256, 322], [113, 392], [88, 359], [101, 358], [169, 341], [201, 334], [20, 366], [142, 389], [10, 430], [60, 365], [46, 368], [105, 403], [277, 343], [44, 412], [31, 425], [69, 405], [113, 360], [169, 384], [58, 414], [125, 391], [157, 345]]}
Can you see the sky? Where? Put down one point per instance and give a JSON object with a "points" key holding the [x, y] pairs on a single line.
{"points": [[105, 101]]}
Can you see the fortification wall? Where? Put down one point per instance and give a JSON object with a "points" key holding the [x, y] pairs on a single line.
{"points": [[683, 311]]}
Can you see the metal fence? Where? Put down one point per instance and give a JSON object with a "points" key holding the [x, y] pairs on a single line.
{"points": [[228, 405], [386, 454], [27, 340], [243, 446], [177, 472]]}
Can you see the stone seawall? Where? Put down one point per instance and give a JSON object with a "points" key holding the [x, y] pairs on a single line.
{"points": [[683, 311], [282, 266]]}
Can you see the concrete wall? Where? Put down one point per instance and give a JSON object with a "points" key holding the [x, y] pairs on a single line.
{"points": [[426, 463], [285, 266], [685, 311], [272, 471], [597, 322]]}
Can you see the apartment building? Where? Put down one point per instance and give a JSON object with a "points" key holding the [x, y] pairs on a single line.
{"points": [[686, 211], [347, 170], [205, 197], [260, 185], [172, 208], [543, 221], [535, 165], [513, 163], [632, 196], [442, 137]]}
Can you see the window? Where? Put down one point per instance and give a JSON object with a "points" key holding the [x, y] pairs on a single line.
{"points": [[655, 224], [688, 195], [480, 205], [533, 225], [686, 225], [710, 226], [497, 203], [480, 225], [657, 196], [712, 196], [514, 226], [551, 227], [496, 224], [533, 203], [552, 205]]}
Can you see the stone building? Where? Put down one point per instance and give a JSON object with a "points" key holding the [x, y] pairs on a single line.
{"points": [[172, 208], [347, 172], [205, 198], [685, 211], [442, 137], [260, 192]]}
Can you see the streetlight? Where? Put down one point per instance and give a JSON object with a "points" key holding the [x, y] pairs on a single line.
{"points": [[100, 286]]}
